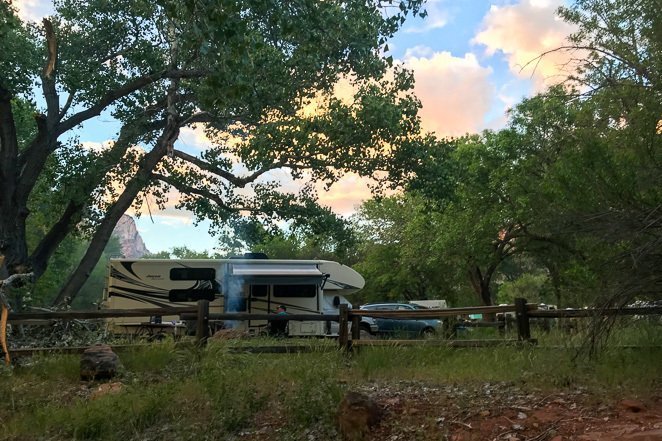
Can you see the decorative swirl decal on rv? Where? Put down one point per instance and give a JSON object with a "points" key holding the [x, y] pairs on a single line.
{"points": [[143, 298], [121, 277], [341, 285]]}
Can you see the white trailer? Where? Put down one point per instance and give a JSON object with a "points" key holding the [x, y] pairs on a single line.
{"points": [[234, 285], [432, 304]]}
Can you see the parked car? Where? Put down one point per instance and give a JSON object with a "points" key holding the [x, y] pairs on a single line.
{"points": [[369, 325], [409, 327]]}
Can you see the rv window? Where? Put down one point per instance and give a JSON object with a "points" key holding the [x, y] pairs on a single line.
{"points": [[259, 290], [192, 274], [295, 290]]}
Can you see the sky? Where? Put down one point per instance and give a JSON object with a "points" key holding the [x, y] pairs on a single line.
{"points": [[472, 61]]}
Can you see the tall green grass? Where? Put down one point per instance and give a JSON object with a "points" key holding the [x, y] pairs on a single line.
{"points": [[173, 392]]}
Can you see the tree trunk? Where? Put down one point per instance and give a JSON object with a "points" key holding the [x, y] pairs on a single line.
{"points": [[13, 212], [481, 284], [105, 229]]}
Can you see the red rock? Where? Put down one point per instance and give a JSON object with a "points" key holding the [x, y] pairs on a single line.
{"points": [[632, 406], [99, 362], [357, 414]]}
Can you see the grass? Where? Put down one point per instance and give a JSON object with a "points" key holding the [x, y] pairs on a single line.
{"points": [[176, 392]]}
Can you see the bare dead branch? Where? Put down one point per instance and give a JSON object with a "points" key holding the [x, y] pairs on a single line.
{"points": [[10, 281], [51, 45]]}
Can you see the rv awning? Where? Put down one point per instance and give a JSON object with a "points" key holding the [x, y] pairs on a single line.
{"points": [[282, 274]]}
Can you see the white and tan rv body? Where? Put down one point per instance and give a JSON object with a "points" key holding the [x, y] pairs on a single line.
{"points": [[236, 285]]}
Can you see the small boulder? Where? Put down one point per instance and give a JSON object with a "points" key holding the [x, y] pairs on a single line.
{"points": [[633, 406], [357, 414], [99, 362]]}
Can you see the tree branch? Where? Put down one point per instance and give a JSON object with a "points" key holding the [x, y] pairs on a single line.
{"points": [[235, 180], [130, 87], [48, 77], [8, 282], [51, 45], [66, 106], [92, 179], [115, 212], [187, 189]]}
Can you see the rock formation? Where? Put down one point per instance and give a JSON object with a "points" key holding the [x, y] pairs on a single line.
{"points": [[132, 244]]}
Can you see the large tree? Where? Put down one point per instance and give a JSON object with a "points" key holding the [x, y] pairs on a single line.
{"points": [[248, 72], [397, 253], [574, 180]]}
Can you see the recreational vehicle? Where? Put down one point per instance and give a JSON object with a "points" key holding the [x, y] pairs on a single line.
{"points": [[234, 285]]}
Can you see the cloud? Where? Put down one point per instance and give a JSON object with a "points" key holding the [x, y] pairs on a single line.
{"points": [[343, 197], [346, 195], [195, 137], [33, 10], [456, 92], [524, 31], [438, 16], [97, 147]]}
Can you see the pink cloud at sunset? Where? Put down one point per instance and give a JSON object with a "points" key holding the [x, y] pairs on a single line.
{"points": [[33, 9], [455, 92], [523, 32], [346, 195]]}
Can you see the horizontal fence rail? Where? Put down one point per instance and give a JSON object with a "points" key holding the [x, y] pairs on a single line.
{"points": [[269, 317], [520, 313], [100, 313], [436, 313], [571, 313]]}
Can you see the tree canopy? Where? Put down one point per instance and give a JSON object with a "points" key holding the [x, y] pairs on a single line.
{"points": [[247, 73], [566, 197]]}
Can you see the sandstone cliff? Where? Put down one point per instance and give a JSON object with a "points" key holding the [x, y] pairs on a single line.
{"points": [[132, 244]]}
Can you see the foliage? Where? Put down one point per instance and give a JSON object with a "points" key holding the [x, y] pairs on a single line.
{"points": [[572, 184], [527, 286], [182, 393], [181, 252], [247, 74], [313, 232], [397, 257]]}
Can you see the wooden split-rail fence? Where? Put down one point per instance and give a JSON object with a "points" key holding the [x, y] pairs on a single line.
{"points": [[518, 314]]}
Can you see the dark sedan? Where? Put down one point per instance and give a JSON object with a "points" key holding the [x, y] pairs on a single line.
{"points": [[408, 327]]}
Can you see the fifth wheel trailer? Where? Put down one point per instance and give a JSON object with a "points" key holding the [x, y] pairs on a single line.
{"points": [[234, 285]]}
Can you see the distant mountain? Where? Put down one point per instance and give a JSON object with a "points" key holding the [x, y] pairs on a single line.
{"points": [[132, 244]]}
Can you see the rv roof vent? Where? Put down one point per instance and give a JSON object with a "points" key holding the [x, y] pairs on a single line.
{"points": [[251, 256], [255, 256]]}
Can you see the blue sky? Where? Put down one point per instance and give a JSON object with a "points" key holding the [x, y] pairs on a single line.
{"points": [[467, 58]]}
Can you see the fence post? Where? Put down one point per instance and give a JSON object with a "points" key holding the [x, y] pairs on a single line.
{"points": [[343, 324], [356, 323], [202, 330], [522, 317], [449, 326]]}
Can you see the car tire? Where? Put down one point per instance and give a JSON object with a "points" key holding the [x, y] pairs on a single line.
{"points": [[428, 333]]}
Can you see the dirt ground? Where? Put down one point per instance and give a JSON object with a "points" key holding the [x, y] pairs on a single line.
{"points": [[506, 412], [495, 412]]}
